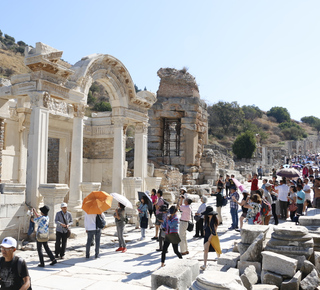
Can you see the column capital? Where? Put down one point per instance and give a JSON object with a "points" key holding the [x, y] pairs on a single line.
{"points": [[141, 127], [79, 110], [39, 98], [119, 122]]}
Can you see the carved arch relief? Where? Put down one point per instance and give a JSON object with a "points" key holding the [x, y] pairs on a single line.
{"points": [[110, 72]]}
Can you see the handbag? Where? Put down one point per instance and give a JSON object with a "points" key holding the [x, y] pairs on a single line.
{"points": [[144, 222], [293, 207], [172, 238], [190, 224], [215, 243], [42, 237], [197, 218], [68, 230]]}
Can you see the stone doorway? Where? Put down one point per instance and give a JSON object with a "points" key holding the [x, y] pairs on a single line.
{"points": [[53, 160], [171, 137]]}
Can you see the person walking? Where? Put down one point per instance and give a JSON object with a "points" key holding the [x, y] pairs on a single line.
{"points": [[90, 224], [211, 227], [220, 184], [234, 208], [120, 220], [227, 182], [260, 172], [43, 230], [154, 199], [170, 225], [63, 220], [198, 214], [300, 199], [283, 191], [143, 214], [245, 195], [292, 199], [13, 270], [184, 206], [274, 197]]}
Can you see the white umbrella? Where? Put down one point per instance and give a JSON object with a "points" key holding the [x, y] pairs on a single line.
{"points": [[122, 199]]}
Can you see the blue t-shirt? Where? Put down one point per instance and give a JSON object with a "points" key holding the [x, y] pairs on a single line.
{"points": [[300, 194]]}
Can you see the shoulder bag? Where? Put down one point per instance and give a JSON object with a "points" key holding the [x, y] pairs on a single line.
{"points": [[293, 207], [190, 224], [144, 221], [42, 237], [68, 230]]}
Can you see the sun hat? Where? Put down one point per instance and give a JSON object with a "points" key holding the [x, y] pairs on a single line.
{"points": [[45, 209], [209, 211], [64, 205], [9, 242], [183, 188]]}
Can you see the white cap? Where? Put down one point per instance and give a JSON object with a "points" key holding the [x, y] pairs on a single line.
{"points": [[64, 205], [9, 242]]}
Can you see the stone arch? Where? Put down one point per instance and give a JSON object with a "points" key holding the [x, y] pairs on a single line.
{"points": [[108, 71]]}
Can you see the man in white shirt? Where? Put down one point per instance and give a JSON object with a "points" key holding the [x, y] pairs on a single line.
{"points": [[283, 191], [307, 191], [92, 231]]}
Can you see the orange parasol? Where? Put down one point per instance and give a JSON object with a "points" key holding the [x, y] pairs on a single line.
{"points": [[97, 202]]}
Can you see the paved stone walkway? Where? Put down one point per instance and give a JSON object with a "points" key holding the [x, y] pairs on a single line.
{"points": [[130, 270]]}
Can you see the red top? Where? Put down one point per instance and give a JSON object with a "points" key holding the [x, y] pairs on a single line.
{"points": [[254, 184]]}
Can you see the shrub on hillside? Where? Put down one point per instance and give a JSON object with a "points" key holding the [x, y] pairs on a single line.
{"points": [[281, 114], [245, 145]]}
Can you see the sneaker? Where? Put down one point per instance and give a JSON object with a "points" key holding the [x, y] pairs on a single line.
{"points": [[203, 267], [41, 265], [154, 238], [53, 262], [142, 238], [159, 250], [119, 249], [124, 250], [196, 236], [231, 228]]}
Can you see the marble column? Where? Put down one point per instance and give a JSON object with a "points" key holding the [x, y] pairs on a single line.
{"points": [[131, 187], [53, 195], [118, 155], [141, 153], [37, 149], [75, 194]]}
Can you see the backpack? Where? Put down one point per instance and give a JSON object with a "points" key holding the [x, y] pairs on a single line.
{"points": [[166, 203], [100, 222], [265, 207], [19, 267]]}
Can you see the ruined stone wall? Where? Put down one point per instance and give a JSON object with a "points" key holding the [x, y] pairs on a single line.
{"points": [[98, 148], [53, 160], [1, 144], [178, 98]]}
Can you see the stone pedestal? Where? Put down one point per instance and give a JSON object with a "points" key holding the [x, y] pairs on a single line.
{"points": [[53, 195], [131, 187], [153, 182], [88, 187]]}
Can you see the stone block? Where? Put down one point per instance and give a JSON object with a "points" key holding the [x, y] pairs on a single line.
{"points": [[242, 247], [192, 265], [253, 253], [309, 220], [264, 287], [306, 268], [174, 277], [233, 271], [217, 280], [300, 260], [242, 265], [230, 259], [317, 260], [249, 277], [250, 232], [293, 283], [279, 264], [310, 282], [271, 278]]}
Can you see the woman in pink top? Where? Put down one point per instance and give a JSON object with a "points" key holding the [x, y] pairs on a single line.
{"points": [[185, 217]]}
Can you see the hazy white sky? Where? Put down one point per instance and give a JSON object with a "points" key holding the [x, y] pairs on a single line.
{"points": [[262, 52]]}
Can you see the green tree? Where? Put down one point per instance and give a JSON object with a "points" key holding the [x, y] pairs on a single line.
{"points": [[310, 120], [102, 106], [251, 112], [21, 43], [244, 145], [316, 125], [1, 33], [226, 115], [279, 113], [91, 98]]}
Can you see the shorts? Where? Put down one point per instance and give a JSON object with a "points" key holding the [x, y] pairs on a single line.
{"points": [[244, 214], [159, 217]]}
